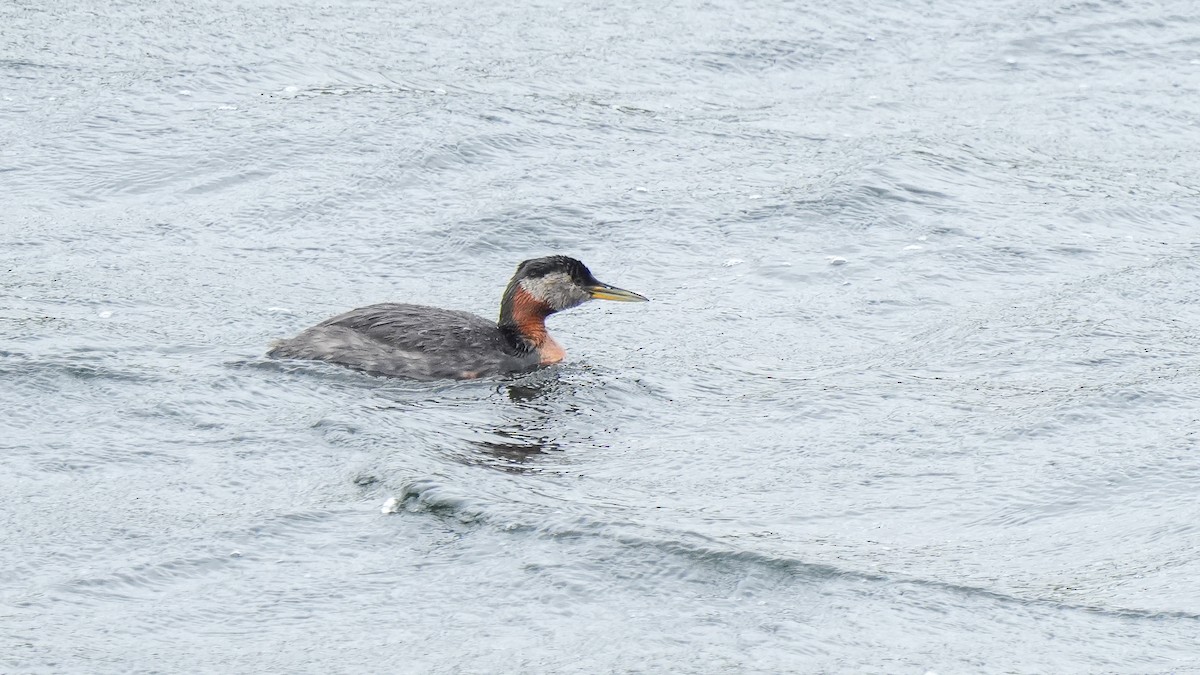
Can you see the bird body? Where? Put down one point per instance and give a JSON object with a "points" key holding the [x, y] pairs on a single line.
{"points": [[428, 343]]}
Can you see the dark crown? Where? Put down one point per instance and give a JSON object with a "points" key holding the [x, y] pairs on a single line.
{"points": [[540, 267]]}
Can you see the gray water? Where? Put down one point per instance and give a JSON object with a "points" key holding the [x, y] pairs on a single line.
{"points": [[918, 388]]}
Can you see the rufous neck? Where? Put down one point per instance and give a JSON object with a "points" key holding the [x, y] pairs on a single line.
{"points": [[524, 316]]}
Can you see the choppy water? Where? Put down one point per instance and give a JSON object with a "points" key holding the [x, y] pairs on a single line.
{"points": [[919, 387]]}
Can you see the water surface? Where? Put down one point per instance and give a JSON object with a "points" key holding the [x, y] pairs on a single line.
{"points": [[917, 389]]}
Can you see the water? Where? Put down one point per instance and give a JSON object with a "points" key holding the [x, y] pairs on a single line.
{"points": [[917, 389]]}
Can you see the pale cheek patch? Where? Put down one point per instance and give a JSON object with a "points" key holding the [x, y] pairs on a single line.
{"points": [[556, 290]]}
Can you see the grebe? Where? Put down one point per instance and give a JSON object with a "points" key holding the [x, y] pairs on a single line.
{"points": [[427, 343]]}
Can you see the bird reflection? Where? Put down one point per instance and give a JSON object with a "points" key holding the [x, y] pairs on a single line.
{"points": [[527, 437], [510, 451], [523, 393], [515, 447]]}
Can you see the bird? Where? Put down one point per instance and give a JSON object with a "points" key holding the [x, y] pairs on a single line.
{"points": [[428, 343]]}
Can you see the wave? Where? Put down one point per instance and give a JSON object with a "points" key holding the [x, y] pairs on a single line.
{"points": [[432, 497]]}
